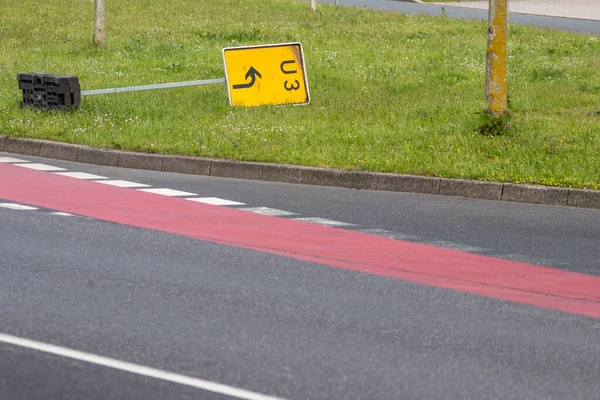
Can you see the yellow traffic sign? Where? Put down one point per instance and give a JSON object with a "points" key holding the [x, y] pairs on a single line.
{"points": [[266, 75]]}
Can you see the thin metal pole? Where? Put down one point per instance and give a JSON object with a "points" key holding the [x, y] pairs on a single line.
{"points": [[153, 87]]}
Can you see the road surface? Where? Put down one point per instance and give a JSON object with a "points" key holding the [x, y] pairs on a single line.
{"points": [[317, 302]]}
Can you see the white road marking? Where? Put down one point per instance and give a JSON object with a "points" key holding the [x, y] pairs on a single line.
{"points": [[15, 206], [215, 201], [273, 212], [41, 167], [80, 175], [12, 160], [124, 184], [323, 221], [438, 243], [64, 214], [388, 234], [168, 192], [134, 368], [524, 259], [456, 246]]}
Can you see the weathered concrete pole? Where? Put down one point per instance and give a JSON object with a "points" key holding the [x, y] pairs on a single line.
{"points": [[496, 89], [99, 34]]}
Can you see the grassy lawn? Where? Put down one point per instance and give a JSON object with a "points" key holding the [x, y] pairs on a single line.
{"points": [[390, 92]]}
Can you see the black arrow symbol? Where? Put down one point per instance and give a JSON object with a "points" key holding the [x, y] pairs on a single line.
{"points": [[252, 74]]}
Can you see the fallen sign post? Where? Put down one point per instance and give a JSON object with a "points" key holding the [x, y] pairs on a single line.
{"points": [[153, 87], [60, 92], [51, 92]]}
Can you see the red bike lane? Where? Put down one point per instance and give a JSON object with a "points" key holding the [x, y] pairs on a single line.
{"points": [[471, 273]]}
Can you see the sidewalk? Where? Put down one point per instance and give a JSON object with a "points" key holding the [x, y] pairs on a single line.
{"points": [[579, 9]]}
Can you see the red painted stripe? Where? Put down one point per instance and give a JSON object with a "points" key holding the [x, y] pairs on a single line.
{"points": [[471, 273]]}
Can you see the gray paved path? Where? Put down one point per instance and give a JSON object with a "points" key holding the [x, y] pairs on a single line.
{"points": [[455, 10], [580, 9]]}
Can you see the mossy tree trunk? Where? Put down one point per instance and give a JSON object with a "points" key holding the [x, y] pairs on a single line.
{"points": [[496, 88]]}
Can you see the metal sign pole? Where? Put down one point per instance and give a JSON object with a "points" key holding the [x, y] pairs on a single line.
{"points": [[152, 87]]}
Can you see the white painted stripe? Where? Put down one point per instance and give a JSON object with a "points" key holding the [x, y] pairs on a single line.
{"points": [[438, 243], [124, 184], [215, 201], [64, 214], [12, 160], [323, 221], [456, 246], [168, 192], [524, 259], [15, 206], [41, 167], [80, 175], [134, 368], [273, 212], [389, 234]]}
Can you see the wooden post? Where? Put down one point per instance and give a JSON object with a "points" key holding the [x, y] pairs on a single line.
{"points": [[313, 5], [496, 89], [99, 34]]}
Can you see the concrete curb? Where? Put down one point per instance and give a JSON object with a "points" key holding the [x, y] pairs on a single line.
{"points": [[536, 194], [471, 189], [532, 194]]}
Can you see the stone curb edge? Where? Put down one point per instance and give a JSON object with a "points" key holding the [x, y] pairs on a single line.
{"points": [[532, 194]]}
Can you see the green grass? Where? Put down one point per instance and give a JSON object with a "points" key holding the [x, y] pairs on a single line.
{"points": [[390, 92]]}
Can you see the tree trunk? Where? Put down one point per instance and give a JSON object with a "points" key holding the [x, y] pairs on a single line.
{"points": [[99, 34], [496, 89]]}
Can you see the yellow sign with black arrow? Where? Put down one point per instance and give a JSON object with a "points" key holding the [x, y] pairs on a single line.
{"points": [[270, 74]]}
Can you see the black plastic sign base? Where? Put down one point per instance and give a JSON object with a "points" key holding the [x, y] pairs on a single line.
{"points": [[49, 92]]}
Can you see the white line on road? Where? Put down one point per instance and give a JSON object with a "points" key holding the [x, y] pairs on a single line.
{"points": [[215, 201], [323, 221], [15, 206], [524, 259], [41, 167], [168, 192], [388, 234], [12, 160], [456, 246], [80, 175], [273, 212], [134, 368], [64, 214], [124, 184]]}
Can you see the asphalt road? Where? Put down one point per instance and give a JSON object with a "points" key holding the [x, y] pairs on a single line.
{"points": [[281, 326], [558, 237]]}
